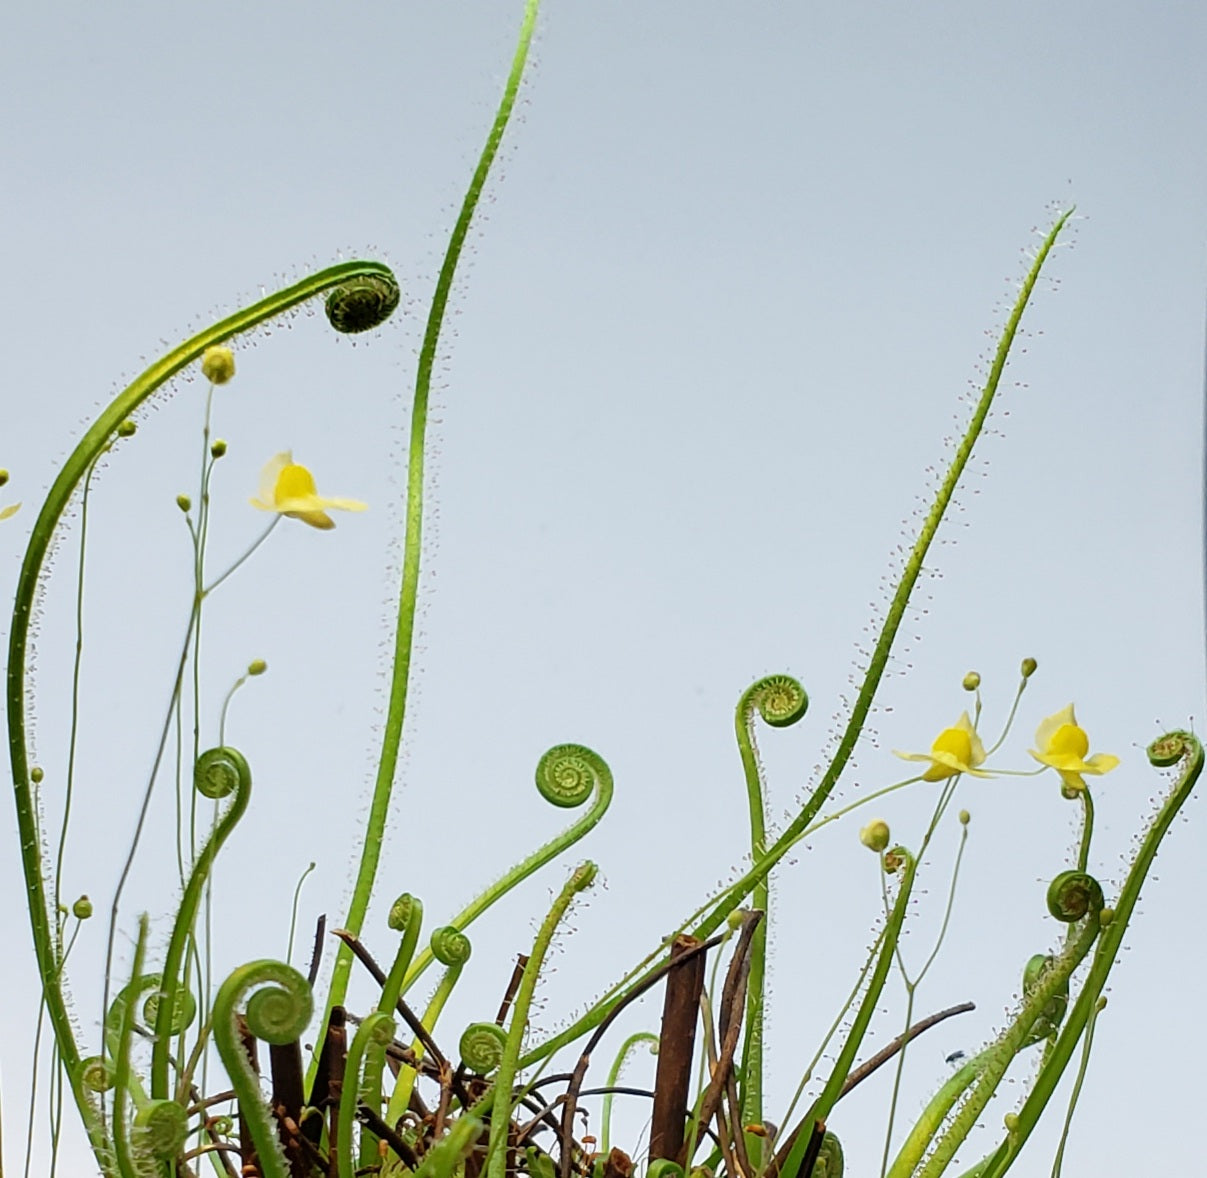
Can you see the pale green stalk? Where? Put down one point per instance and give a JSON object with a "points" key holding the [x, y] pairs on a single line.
{"points": [[99, 437], [379, 807], [581, 878], [733, 896]]}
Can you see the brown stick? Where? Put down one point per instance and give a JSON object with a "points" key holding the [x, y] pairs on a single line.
{"points": [[285, 1064], [674, 965], [337, 1041], [517, 976], [676, 1046]]}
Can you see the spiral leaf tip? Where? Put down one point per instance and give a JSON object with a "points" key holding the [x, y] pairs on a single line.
{"points": [[1073, 895], [450, 946], [362, 304], [219, 771], [567, 774], [481, 1047], [780, 700]]}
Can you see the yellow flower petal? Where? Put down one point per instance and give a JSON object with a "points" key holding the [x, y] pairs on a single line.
{"points": [[288, 488], [955, 750], [1063, 745]]}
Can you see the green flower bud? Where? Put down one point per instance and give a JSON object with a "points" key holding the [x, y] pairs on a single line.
{"points": [[36, 775], [218, 448], [218, 364], [3, 477], [127, 429], [965, 818], [972, 681], [1028, 668], [875, 836], [1010, 1120], [82, 908], [257, 667], [184, 503]]}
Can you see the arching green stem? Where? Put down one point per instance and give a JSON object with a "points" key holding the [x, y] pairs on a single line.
{"points": [[278, 1014], [567, 775], [781, 701], [1168, 750], [733, 896], [122, 1071], [820, 1108], [219, 772], [626, 1048], [372, 1038], [582, 878], [413, 542], [99, 436]]}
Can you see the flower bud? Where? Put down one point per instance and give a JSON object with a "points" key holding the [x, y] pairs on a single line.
{"points": [[218, 448], [82, 908], [218, 364], [127, 429], [36, 775], [184, 503], [972, 681], [1010, 1120], [1028, 668], [965, 818], [3, 477], [257, 667], [875, 836], [1106, 916]]}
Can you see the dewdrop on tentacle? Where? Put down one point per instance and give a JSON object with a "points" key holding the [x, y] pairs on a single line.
{"points": [[363, 303]]}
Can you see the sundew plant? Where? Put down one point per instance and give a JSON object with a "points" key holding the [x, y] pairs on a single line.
{"points": [[342, 1056]]}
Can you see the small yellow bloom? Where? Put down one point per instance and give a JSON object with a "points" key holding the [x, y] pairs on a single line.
{"points": [[956, 750], [10, 510], [1063, 745], [287, 488]]}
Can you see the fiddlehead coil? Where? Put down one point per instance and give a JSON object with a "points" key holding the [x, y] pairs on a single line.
{"points": [[450, 946], [279, 1014], [481, 1047], [219, 771], [362, 303], [780, 700], [401, 910], [96, 1073], [567, 775], [829, 1162], [1168, 750], [160, 1129], [1073, 895]]}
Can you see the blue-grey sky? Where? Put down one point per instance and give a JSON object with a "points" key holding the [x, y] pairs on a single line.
{"points": [[736, 271]]}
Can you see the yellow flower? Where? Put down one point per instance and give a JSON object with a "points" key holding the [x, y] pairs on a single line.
{"points": [[287, 488], [1063, 745], [955, 750]]}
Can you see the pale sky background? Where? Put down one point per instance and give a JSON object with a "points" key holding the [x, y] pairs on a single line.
{"points": [[737, 269]]}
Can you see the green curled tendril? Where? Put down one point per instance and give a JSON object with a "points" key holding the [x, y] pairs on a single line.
{"points": [[160, 1129], [1072, 895], [96, 1073], [277, 1012], [450, 946], [361, 304], [481, 1047], [218, 773], [781, 701], [98, 438], [568, 770]]}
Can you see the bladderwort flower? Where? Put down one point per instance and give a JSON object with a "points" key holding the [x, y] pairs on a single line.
{"points": [[288, 488], [1063, 745], [955, 750]]}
